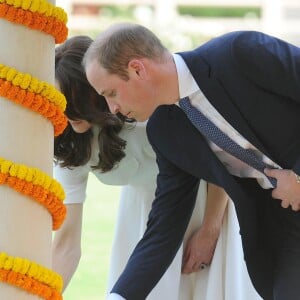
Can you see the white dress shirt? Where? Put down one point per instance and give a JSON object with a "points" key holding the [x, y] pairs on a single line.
{"points": [[114, 296], [189, 88]]}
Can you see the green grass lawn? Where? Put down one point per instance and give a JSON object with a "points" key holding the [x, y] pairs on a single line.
{"points": [[89, 281]]}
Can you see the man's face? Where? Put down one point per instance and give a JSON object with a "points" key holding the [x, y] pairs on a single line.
{"points": [[133, 98]]}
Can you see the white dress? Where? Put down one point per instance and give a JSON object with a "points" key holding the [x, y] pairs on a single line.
{"points": [[225, 279]]}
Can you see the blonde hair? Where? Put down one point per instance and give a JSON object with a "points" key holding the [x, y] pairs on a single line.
{"points": [[115, 47]]}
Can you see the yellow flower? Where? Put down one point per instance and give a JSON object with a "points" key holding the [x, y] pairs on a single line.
{"points": [[13, 170], [11, 73], [32, 84], [32, 269], [25, 4], [40, 6], [8, 263], [22, 171], [5, 165]]}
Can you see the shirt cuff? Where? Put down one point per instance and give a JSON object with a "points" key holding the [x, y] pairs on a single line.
{"points": [[114, 296]]}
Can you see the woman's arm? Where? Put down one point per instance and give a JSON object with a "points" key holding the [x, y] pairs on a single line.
{"points": [[201, 246], [66, 247]]}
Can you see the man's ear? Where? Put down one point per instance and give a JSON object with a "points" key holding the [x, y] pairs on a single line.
{"points": [[137, 68]]}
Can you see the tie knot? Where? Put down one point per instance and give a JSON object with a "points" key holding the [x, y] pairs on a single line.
{"points": [[184, 100], [184, 103]]}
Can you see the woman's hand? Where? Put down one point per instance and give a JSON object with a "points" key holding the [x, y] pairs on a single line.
{"points": [[201, 246], [199, 250]]}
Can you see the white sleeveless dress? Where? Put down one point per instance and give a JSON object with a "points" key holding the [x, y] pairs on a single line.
{"points": [[225, 279]]}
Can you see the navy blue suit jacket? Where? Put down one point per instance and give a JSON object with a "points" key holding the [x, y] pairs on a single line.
{"points": [[253, 80]]}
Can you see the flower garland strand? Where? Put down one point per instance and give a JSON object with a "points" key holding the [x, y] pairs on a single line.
{"points": [[36, 14], [40, 6], [35, 103], [30, 285], [30, 276], [32, 84], [36, 95], [37, 185]]}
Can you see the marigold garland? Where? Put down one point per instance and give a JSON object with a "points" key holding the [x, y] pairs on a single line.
{"points": [[35, 103], [32, 84], [37, 185], [30, 285], [36, 95], [30, 276], [38, 15], [39, 6]]}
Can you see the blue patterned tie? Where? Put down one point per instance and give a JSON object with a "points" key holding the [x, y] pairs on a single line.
{"points": [[217, 136]]}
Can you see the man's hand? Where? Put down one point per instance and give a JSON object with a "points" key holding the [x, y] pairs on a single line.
{"points": [[287, 190]]}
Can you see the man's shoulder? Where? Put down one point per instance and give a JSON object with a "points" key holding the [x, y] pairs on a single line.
{"points": [[251, 48], [237, 38], [248, 38], [223, 45]]}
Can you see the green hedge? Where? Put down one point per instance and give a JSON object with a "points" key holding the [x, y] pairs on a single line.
{"points": [[212, 11], [195, 11]]}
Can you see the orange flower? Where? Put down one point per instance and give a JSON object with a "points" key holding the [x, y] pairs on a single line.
{"points": [[29, 284], [35, 103], [34, 20], [50, 201], [37, 185]]}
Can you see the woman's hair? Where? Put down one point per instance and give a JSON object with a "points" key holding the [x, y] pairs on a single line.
{"points": [[114, 48], [73, 149]]}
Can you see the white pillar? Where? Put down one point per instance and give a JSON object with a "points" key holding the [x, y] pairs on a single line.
{"points": [[25, 138]]}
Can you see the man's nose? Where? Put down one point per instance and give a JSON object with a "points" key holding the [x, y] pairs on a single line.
{"points": [[114, 108]]}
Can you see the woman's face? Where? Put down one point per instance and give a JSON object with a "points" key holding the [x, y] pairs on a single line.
{"points": [[80, 126]]}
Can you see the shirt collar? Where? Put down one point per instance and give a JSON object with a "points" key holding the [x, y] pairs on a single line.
{"points": [[186, 82]]}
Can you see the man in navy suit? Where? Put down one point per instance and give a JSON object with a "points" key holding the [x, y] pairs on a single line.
{"points": [[248, 85]]}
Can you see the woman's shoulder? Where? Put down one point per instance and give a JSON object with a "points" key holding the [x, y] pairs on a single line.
{"points": [[137, 143], [139, 161], [71, 175], [133, 130]]}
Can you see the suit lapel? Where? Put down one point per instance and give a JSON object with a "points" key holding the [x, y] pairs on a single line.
{"points": [[196, 157], [217, 96]]}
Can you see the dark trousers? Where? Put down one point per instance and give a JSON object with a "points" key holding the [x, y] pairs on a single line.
{"points": [[273, 244], [286, 273]]}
